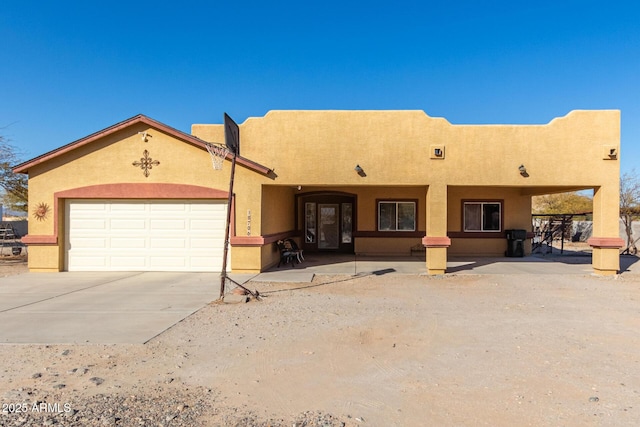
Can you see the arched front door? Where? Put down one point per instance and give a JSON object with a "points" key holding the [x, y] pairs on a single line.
{"points": [[328, 222]]}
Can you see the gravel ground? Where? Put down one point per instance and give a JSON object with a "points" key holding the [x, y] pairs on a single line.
{"points": [[390, 350], [157, 407]]}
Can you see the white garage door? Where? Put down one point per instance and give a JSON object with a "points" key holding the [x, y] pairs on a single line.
{"points": [[144, 235]]}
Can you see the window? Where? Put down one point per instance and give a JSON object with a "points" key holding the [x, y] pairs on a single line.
{"points": [[482, 216], [396, 216], [347, 227], [310, 222]]}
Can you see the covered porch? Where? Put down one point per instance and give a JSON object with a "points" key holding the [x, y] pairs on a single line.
{"points": [[344, 266], [432, 226]]}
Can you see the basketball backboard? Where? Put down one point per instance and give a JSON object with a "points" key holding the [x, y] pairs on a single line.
{"points": [[231, 135]]}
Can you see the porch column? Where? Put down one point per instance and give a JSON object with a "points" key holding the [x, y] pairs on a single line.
{"points": [[436, 240], [606, 241]]}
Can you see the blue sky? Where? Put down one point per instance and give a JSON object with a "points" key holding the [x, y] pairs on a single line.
{"points": [[71, 68]]}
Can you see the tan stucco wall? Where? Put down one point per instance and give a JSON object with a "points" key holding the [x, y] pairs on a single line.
{"points": [[323, 147], [276, 216], [110, 161], [314, 149], [107, 161], [400, 246], [318, 151], [517, 205], [516, 215], [277, 208], [368, 206], [44, 259]]}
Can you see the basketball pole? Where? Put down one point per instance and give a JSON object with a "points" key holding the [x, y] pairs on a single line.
{"points": [[227, 234], [232, 143], [223, 274]]}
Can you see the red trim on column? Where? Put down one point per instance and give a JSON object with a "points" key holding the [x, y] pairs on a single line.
{"points": [[262, 240], [606, 242], [39, 240], [247, 241], [436, 242]]}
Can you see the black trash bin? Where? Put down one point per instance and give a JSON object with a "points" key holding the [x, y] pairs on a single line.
{"points": [[515, 242]]}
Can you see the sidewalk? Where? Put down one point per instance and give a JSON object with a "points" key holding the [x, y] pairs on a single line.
{"points": [[339, 264]]}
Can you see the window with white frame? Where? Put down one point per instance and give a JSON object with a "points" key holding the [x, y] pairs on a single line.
{"points": [[396, 215], [482, 216]]}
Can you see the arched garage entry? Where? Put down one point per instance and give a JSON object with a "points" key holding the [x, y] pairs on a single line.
{"points": [[143, 227]]}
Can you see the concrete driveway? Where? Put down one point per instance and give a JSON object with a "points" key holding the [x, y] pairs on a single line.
{"points": [[129, 307]]}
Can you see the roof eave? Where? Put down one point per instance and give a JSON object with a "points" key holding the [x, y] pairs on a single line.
{"points": [[140, 118]]}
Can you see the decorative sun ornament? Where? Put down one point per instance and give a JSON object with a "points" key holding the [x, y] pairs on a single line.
{"points": [[41, 211]]}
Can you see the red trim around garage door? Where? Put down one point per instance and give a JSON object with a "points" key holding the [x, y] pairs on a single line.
{"points": [[124, 191]]}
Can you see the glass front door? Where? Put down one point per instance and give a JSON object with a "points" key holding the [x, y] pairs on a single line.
{"points": [[328, 223], [328, 234]]}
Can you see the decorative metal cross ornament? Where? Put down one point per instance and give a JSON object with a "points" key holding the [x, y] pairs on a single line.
{"points": [[146, 163]]}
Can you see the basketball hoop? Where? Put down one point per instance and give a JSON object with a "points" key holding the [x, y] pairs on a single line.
{"points": [[218, 154]]}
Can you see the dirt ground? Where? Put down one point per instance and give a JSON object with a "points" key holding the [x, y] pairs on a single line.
{"points": [[389, 350], [10, 265]]}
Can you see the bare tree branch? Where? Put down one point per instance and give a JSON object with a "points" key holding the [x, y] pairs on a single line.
{"points": [[14, 185]]}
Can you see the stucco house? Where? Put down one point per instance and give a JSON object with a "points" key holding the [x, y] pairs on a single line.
{"points": [[141, 195]]}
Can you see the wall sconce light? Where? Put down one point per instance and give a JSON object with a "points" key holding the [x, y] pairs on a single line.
{"points": [[523, 171], [144, 135], [610, 152], [360, 171], [437, 152]]}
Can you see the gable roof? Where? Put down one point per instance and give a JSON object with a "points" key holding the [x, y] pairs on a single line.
{"points": [[140, 118]]}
